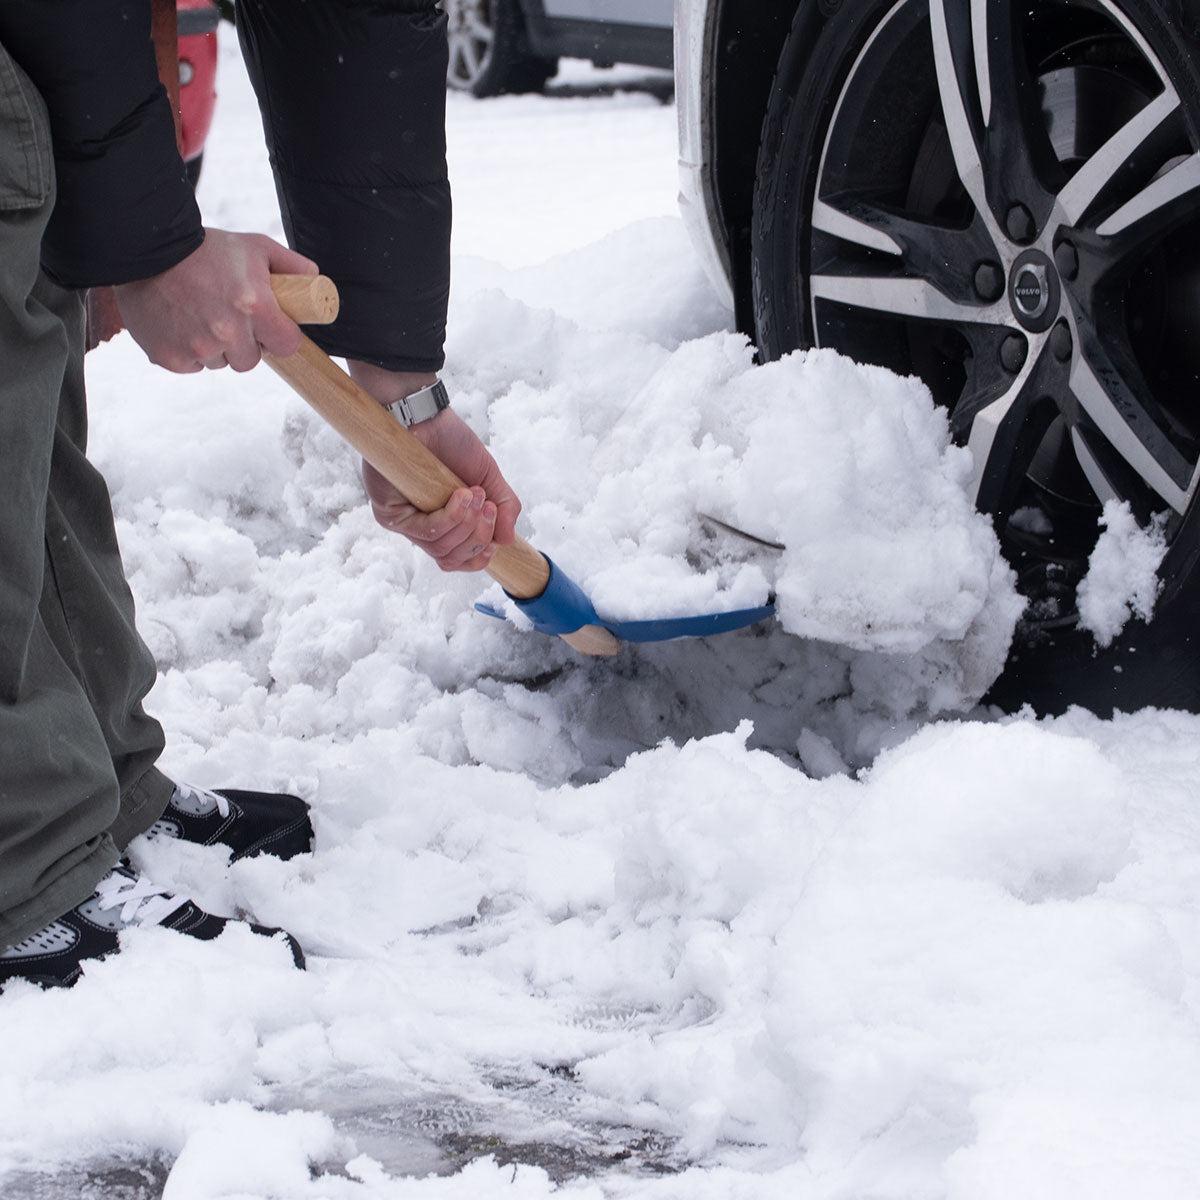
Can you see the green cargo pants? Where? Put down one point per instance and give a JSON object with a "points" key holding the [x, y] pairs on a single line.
{"points": [[77, 751]]}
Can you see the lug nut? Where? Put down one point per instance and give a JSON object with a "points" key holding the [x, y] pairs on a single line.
{"points": [[989, 281], [1019, 224], [1013, 350], [1066, 259], [1060, 342]]}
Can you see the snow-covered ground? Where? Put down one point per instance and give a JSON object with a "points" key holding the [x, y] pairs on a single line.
{"points": [[780, 915]]}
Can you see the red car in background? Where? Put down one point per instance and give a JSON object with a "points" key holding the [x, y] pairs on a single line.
{"points": [[198, 21]]}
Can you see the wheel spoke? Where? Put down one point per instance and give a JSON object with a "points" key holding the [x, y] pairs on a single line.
{"points": [[1158, 206], [1103, 167], [470, 58], [934, 286], [954, 51], [856, 223], [1019, 161], [986, 378], [480, 29], [932, 251], [904, 297], [979, 51], [1004, 435], [1093, 471], [993, 113], [1110, 398]]}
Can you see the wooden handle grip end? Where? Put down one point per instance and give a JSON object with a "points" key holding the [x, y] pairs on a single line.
{"points": [[307, 299]]}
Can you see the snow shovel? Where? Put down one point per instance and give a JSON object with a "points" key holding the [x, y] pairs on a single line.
{"points": [[554, 603]]}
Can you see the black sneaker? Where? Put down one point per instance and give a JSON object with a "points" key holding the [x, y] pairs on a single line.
{"points": [[54, 956], [248, 823]]}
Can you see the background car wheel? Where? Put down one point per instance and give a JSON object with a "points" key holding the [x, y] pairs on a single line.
{"points": [[1003, 198], [489, 53]]}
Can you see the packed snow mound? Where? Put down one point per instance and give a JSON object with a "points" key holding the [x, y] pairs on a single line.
{"points": [[928, 981]]}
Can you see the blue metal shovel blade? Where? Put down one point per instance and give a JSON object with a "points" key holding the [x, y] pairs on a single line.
{"points": [[704, 625], [563, 608]]}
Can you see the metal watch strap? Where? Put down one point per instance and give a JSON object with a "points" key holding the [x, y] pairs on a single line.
{"points": [[422, 405]]}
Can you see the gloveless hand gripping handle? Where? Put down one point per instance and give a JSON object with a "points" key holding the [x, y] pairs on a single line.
{"points": [[392, 450]]}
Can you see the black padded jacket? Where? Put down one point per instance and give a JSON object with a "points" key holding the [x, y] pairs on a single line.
{"points": [[352, 94], [123, 209]]}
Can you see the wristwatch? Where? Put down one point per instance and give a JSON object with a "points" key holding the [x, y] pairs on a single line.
{"points": [[422, 405]]}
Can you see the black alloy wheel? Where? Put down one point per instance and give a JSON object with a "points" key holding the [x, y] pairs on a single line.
{"points": [[489, 54], [1004, 199]]}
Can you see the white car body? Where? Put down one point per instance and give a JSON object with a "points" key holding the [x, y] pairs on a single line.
{"points": [[633, 12], [697, 194]]}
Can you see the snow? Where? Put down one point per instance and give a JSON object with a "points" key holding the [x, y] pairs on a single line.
{"points": [[1121, 580], [778, 914]]}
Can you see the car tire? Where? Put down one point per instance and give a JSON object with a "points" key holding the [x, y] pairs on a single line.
{"points": [[489, 53], [1011, 213]]}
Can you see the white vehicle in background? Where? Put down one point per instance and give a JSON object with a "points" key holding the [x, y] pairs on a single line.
{"points": [[501, 46], [1003, 198]]}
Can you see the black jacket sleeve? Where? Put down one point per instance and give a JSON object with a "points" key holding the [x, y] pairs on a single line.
{"points": [[353, 98], [124, 209]]}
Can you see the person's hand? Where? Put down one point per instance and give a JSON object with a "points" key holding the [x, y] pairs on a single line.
{"points": [[477, 518], [215, 308]]}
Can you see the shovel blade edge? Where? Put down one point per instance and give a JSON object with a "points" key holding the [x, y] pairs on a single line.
{"points": [[563, 607]]}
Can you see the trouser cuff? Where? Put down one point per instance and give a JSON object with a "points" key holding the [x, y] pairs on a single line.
{"points": [[141, 806], [61, 896]]}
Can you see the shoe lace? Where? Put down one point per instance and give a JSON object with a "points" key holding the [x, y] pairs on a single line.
{"points": [[140, 901], [196, 793]]}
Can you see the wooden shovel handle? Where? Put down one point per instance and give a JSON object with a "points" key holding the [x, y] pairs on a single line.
{"points": [[378, 436], [307, 299]]}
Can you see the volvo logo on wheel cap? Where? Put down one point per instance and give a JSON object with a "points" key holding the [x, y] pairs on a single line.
{"points": [[1031, 290], [1034, 291]]}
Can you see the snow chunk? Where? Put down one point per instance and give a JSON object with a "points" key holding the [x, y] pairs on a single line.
{"points": [[1122, 579], [851, 468]]}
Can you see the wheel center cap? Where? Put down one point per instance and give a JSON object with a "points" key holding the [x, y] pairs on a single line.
{"points": [[1034, 291]]}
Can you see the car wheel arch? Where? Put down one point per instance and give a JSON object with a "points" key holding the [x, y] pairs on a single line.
{"points": [[749, 59]]}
